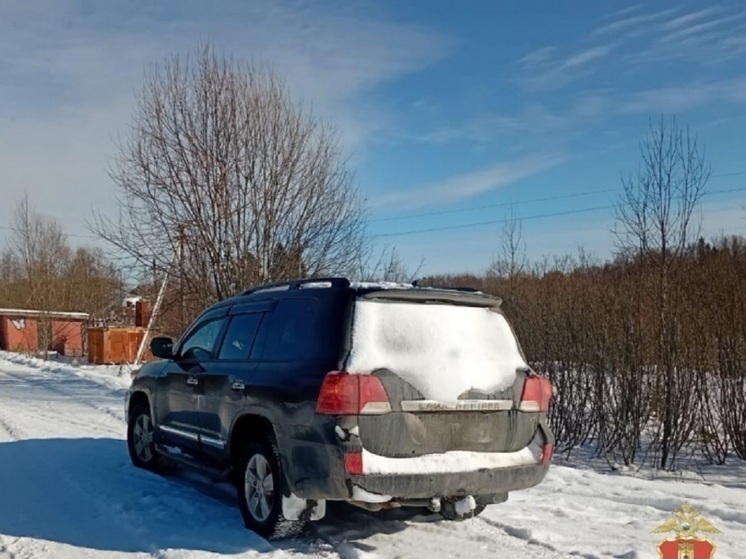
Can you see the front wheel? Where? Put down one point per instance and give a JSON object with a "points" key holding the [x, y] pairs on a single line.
{"points": [[259, 484], [140, 441]]}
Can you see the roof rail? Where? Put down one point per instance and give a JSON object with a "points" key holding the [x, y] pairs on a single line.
{"points": [[449, 288], [466, 289], [298, 283]]}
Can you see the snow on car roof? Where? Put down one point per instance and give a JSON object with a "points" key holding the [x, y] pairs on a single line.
{"points": [[383, 285], [379, 285]]}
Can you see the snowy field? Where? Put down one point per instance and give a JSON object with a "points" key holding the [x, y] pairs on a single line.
{"points": [[67, 490]]}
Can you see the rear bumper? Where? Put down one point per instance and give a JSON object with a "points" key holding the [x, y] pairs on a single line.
{"points": [[315, 469], [484, 482]]}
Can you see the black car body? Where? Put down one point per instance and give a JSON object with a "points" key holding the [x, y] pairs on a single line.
{"points": [[268, 372]]}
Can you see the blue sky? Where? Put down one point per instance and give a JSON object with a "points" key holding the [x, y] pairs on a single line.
{"points": [[449, 112]]}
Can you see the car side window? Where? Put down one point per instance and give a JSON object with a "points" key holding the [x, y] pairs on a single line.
{"points": [[201, 342], [293, 332], [239, 336]]}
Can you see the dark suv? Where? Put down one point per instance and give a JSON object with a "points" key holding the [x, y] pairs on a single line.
{"points": [[380, 395]]}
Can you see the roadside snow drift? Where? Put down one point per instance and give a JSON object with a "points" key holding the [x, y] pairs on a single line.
{"points": [[442, 350]]}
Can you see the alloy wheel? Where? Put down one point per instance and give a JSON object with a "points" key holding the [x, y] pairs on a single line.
{"points": [[143, 438], [259, 487]]}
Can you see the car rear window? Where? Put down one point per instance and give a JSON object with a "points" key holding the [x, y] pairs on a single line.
{"points": [[443, 350]]}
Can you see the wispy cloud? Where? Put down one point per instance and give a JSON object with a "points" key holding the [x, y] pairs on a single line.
{"points": [[585, 57], [538, 56], [470, 184], [684, 32], [551, 72], [686, 19], [624, 23], [485, 127], [623, 12], [685, 97], [636, 38], [704, 36], [677, 99]]}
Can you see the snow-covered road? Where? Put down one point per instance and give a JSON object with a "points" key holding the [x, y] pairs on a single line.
{"points": [[67, 490]]}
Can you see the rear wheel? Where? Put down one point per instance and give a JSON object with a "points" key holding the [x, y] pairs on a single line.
{"points": [[259, 484], [140, 441]]}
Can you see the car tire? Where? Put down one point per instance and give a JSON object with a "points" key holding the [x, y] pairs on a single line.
{"points": [[259, 482], [448, 511], [140, 441]]}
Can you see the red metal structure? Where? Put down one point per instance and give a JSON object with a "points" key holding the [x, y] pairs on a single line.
{"points": [[21, 330]]}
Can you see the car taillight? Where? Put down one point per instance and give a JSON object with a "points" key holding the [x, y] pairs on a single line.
{"points": [[354, 463], [537, 391], [346, 394], [547, 451]]}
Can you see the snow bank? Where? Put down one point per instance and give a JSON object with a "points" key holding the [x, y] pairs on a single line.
{"points": [[111, 376], [442, 350], [455, 461]]}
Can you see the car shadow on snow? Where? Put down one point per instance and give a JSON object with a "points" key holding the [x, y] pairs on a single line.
{"points": [[85, 493], [344, 527]]}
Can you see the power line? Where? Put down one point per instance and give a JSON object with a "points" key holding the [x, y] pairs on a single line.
{"points": [[529, 201], [500, 205], [491, 222], [531, 217], [495, 221]]}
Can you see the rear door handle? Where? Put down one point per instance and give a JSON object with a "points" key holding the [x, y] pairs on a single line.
{"points": [[238, 385], [192, 381]]}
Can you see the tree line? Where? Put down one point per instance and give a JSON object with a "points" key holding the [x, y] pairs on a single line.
{"points": [[41, 270], [647, 350], [593, 328]]}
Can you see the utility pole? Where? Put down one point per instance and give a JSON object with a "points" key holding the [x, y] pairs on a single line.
{"points": [[153, 313], [182, 313]]}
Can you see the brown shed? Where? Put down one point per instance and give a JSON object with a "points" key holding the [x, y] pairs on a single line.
{"points": [[115, 345]]}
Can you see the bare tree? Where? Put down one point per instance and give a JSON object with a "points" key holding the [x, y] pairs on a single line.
{"points": [[656, 210], [655, 217], [40, 250], [511, 260], [225, 172], [92, 283], [40, 271]]}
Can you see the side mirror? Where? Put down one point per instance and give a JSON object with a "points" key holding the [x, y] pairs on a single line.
{"points": [[163, 348]]}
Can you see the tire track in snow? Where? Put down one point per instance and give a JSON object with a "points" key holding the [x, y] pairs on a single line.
{"points": [[9, 430], [309, 544], [518, 533], [411, 534], [61, 389]]}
